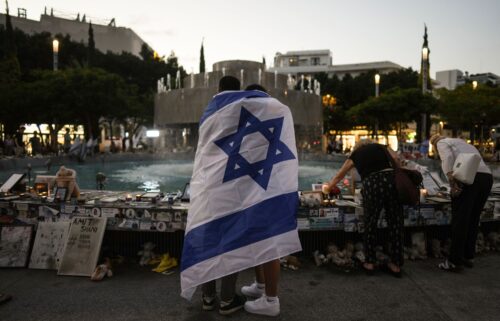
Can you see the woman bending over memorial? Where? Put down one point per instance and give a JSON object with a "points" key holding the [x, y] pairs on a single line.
{"points": [[379, 192]]}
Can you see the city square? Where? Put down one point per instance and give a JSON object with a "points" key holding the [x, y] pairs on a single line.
{"points": [[343, 168]]}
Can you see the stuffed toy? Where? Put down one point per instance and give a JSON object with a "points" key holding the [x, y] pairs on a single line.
{"points": [[319, 258], [166, 264], [66, 178], [480, 247], [436, 248], [291, 262], [445, 250], [418, 247], [102, 270], [359, 253], [146, 253], [494, 241], [336, 256]]}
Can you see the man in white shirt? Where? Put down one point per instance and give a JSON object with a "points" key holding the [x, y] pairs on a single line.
{"points": [[466, 205]]}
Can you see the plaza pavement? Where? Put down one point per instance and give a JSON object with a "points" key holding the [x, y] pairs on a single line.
{"points": [[311, 293]]}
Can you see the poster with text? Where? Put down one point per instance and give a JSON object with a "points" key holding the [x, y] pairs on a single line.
{"points": [[82, 246]]}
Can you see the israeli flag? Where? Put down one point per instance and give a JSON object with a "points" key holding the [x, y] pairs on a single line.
{"points": [[243, 189]]}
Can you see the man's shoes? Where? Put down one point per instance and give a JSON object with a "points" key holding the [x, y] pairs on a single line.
{"points": [[450, 267], [253, 290], [469, 263], [236, 303], [264, 306], [208, 303]]}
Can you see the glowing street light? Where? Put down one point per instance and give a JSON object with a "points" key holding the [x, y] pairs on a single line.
{"points": [[377, 82], [55, 53], [474, 85]]}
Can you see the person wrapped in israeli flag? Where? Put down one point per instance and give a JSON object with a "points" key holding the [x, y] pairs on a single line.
{"points": [[244, 189]]}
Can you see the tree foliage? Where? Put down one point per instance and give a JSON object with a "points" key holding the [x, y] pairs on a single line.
{"points": [[465, 107], [89, 85]]}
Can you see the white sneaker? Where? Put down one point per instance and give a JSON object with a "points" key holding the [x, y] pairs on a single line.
{"points": [[252, 290], [263, 306]]}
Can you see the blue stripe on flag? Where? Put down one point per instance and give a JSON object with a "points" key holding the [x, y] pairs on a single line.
{"points": [[269, 218], [226, 98]]}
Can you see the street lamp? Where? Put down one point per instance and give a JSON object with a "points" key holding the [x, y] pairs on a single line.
{"points": [[425, 56], [377, 82], [55, 52], [474, 85]]}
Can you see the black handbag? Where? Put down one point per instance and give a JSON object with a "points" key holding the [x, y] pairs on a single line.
{"points": [[407, 181]]}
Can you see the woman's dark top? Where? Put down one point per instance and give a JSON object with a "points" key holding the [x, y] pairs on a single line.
{"points": [[370, 158]]}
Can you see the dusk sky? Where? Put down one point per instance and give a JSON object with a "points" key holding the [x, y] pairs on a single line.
{"points": [[463, 34]]}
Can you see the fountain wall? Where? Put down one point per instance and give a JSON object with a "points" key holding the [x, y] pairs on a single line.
{"points": [[178, 110]]}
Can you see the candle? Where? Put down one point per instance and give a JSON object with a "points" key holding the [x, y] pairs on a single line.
{"points": [[423, 194], [128, 198]]}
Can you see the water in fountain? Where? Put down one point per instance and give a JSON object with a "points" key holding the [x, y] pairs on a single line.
{"points": [[166, 176]]}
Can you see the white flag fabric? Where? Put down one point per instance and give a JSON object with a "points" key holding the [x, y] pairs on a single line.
{"points": [[243, 189]]}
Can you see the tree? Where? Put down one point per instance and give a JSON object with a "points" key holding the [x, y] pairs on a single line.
{"points": [[202, 59], [465, 108], [10, 44], [393, 107], [90, 45]]}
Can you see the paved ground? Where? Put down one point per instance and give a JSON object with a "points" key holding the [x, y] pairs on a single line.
{"points": [[134, 293]]}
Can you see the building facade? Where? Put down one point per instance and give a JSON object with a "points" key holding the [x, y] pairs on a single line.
{"points": [[451, 79], [310, 62], [107, 37]]}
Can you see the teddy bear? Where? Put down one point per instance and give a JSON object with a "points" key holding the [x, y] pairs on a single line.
{"points": [[359, 253], [436, 248], [319, 258], [102, 270], [480, 247], [335, 256], [146, 253], [418, 248], [66, 178], [494, 241], [291, 262]]}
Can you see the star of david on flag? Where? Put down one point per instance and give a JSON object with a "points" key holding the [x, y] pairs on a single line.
{"points": [[243, 189], [277, 151]]}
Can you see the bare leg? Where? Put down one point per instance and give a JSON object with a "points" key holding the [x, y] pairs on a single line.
{"points": [[272, 275], [259, 274]]}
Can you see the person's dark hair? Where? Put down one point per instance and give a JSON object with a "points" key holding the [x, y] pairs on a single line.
{"points": [[256, 87], [229, 83]]}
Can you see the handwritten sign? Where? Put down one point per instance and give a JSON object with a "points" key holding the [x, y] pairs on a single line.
{"points": [[83, 245], [49, 245]]}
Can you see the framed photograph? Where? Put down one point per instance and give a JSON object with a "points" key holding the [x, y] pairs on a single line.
{"points": [[317, 187], [312, 198], [60, 193]]}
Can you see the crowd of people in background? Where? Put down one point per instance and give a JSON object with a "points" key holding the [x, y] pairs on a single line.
{"points": [[21, 144]]}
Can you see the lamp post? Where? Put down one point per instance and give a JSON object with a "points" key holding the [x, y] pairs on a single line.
{"points": [[425, 55], [55, 53], [481, 121], [377, 82]]}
